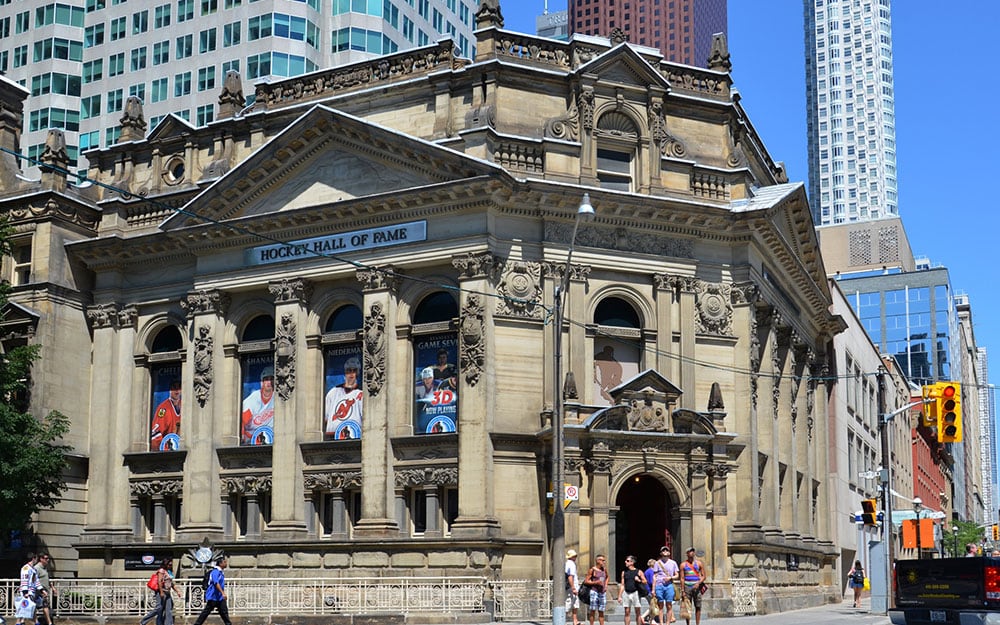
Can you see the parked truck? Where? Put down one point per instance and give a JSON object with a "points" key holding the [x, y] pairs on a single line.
{"points": [[956, 591]]}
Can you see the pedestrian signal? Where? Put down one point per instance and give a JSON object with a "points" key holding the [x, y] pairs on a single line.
{"points": [[928, 412], [869, 511], [949, 413]]}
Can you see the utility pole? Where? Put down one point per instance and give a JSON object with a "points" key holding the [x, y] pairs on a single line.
{"points": [[883, 429]]}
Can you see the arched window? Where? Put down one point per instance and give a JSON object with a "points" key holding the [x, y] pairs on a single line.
{"points": [[435, 352], [257, 389], [617, 346], [342, 376], [617, 139], [165, 387]]}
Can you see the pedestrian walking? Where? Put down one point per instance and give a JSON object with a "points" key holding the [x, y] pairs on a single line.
{"points": [[168, 588], [597, 581], [29, 577], [693, 574], [215, 596], [572, 581], [857, 581], [628, 589], [46, 589], [665, 573]]}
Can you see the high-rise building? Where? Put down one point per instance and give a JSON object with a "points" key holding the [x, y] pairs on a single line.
{"points": [[851, 120], [681, 29], [82, 59]]}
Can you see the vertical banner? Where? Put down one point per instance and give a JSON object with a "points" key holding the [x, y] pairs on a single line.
{"points": [[257, 411], [436, 394], [342, 408], [615, 361], [165, 424]]}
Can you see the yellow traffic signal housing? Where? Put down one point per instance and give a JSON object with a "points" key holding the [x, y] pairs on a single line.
{"points": [[996, 532], [949, 413], [928, 414], [869, 511]]}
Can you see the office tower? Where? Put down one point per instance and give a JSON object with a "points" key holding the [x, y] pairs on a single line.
{"points": [[82, 59], [681, 29], [988, 443], [553, 25], [851, 122]]}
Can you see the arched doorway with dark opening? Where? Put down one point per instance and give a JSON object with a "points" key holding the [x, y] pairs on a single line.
{"points": [[644, 522]]}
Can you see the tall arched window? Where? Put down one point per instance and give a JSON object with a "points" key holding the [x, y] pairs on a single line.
{"points": [[435, 352], [617, 139], [617, 346], [165, 387], [257, 389], [342, 376]]}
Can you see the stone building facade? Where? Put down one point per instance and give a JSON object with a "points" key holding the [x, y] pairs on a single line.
{"points": [[412, 215]]}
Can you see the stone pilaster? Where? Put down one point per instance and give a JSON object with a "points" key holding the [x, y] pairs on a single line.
{"points": [[719, 558], [477, 387], [688, 327], [665, 300], [208, 416], [114, 336], [291, 298], [376, 448], [601, 463]]}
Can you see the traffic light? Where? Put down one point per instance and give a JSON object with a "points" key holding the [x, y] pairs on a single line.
{"points": [[949, 413], [869, 511], [996, 532]]}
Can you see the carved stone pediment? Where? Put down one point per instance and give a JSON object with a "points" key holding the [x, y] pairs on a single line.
{"points": [[623, 66]]}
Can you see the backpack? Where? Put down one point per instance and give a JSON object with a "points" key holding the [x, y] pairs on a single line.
{"points": [[206, 580], [154, 581], [859, 576]]}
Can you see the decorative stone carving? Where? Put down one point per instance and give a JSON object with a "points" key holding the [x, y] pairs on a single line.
{"points": [[244, 484], [284, 356], [569, 387], [291, 290], [624, 240], [133, 121], [775, 373], [150, 488], [474, 265], [745, 293], [566, 127], [617, 36], [585, 104], [375, 347], [715, 403], [718, 58], [472, 349], [715, 312], [330, 480], [377, 279], [231, 99], [203, 344], [601, 465], [520, 290], [644, 416], [670, 145], [205, 302], [489, 14], [102, 316], [430, 476], [127, 317]]}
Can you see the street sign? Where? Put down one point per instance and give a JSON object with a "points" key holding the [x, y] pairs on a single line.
{"points": [[571, 493]]}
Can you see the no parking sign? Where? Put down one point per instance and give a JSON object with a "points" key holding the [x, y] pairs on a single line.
{"points": [[572, 493]]}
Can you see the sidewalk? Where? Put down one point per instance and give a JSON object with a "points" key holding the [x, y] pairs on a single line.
{"points": [[832, 614]]}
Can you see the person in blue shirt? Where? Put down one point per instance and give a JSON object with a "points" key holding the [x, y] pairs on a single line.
{"points": [[215, 595]]}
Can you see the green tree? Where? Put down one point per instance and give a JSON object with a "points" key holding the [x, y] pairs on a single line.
{"points": [[968, 532], [32, 459]]}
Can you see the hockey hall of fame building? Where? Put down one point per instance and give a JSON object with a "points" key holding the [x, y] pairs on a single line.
{"points": [[317, 332]]}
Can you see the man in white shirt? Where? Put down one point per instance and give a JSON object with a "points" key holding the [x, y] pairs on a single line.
{"points": [[572, 585]]}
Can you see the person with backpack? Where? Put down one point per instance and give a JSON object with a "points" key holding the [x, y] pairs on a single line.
{"points": [[215, 594], [856, 576]]}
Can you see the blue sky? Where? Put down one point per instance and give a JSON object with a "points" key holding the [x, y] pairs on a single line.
{"points": [[946, 123]]}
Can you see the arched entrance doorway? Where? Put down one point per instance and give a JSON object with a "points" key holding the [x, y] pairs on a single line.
{"points": [[643, 522]]}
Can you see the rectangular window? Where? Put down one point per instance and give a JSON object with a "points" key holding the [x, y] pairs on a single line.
{"points": [[229, 4], [117, 28], [259, 65], [231, 35], [93, 35], [90, 107], [209, 6], [161, 16], [138, 90], [21, 255], [206, 78], [138, 59], [140, 22], [95, 5], [231, 65], [259, 27], [161, 52], [116, 99], [21, 24], [205, 114], [206, 41], [614, 169], [185, 47], [111, 135], [185, 10], [116, 64], [158, 90], [89, 140], [182, 84]]}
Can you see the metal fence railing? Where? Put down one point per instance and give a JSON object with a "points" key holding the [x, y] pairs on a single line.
{"points": [[506, 600]]}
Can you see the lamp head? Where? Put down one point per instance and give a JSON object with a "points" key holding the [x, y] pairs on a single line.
{"points": [[586, 210], [954, 528], [917, 502]]}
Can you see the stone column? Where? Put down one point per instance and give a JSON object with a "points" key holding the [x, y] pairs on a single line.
{"points": [[688, 328], [291, 408], [376, 446], [816, 422], [701, 529], [665, 299], [400, 508], [601, 463], [432, 521], [719, 558], [476, 391], [159, 517], [338, 514], [111, 399], [207, 412]]}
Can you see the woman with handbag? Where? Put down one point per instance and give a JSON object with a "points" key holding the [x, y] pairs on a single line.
{"points": [[856, 577]]}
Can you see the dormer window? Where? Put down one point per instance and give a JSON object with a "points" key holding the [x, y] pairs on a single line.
{"points": [[617, 139]]}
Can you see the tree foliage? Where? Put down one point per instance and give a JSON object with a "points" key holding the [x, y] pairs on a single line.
{"points": [[32, 458]]}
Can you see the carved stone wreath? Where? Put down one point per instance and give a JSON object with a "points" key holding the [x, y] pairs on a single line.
{"points": [[715, 312], [520, 290]]}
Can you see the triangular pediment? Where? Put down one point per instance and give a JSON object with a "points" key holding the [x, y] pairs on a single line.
{"points": [[169, 126], [648, 382], [325, 157], [622, 65]]}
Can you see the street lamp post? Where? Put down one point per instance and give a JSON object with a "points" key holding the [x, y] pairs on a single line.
{"points": [[954, 533], [584, 213], [917, 503]]}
